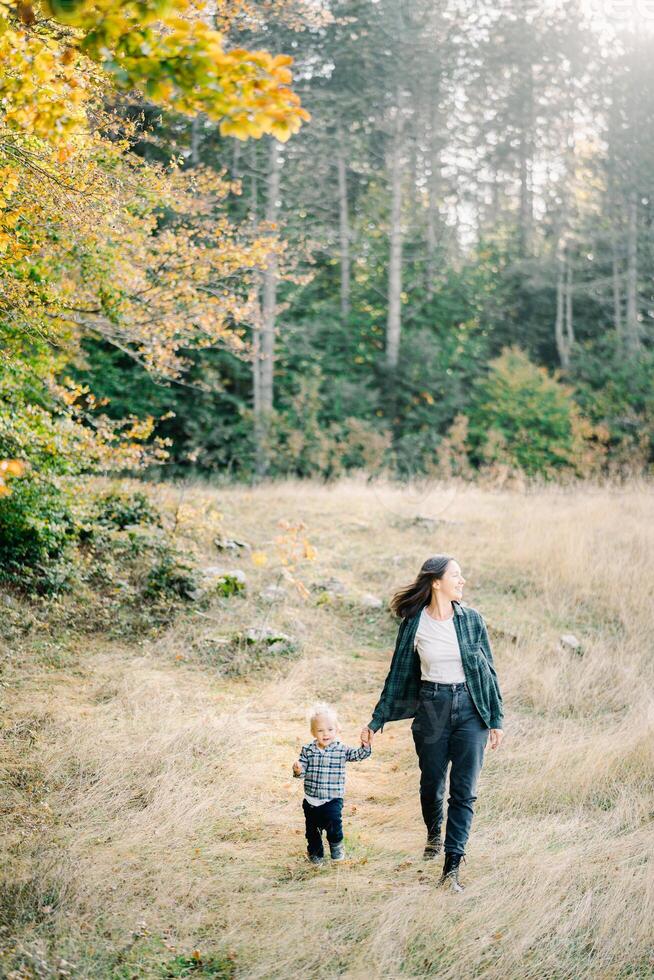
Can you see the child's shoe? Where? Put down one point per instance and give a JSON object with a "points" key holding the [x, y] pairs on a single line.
{"points": [[337, 852], [317, 860]]}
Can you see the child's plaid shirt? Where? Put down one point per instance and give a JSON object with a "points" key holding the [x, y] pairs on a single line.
{"points": [[323, 770]]}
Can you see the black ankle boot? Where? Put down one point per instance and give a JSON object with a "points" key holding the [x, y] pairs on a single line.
{"points": [[451, 872], [433, 846]]}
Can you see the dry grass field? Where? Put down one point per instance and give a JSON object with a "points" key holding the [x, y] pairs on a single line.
{"points": [[149, 821]]}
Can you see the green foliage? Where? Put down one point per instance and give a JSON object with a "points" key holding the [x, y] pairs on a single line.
{"points": [[228, 585], [617, 394], [432, 386], [300, 443], [34, 424], [221, 968], [37, 531], [170, 578], [50, 538], [119, 509], [522, 417]]}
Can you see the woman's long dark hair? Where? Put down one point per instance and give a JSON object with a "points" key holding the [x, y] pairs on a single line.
{"points": [[412, 599]]}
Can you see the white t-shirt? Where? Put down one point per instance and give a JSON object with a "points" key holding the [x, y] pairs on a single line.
{"points": [[314, 801], [438, 649]]}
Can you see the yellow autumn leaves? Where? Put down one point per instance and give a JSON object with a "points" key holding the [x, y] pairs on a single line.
{"points": [[8, 216], [165, 48], [42, 93], [79, 211]]}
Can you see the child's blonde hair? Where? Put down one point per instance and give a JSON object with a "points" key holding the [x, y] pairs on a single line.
{"points": [[322, 708]]}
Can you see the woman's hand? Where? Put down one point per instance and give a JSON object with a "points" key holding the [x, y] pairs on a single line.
{"points": [[366, 735], [496, 736]]}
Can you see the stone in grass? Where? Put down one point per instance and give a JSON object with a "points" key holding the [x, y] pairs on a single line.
{"points": [[273, 593], [273, 641], [371, 602], [230, 544], [252, 648], [224, 581], [268, 637], [571, 644]]}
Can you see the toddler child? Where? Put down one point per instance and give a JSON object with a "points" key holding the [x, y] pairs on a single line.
{"points": [[322, 766]]}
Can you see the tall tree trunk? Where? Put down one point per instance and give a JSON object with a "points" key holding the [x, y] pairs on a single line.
{"points": [[617, 288], [263, 328], [569, 325], [236, 159], [343, 228], [269, 308], [632, 323], [256, 360], [394, 318], [563, 326], [259, 433], [196, 139], [560, 311], [525, 164], [433, 189], [430, 269], [525, 199], [254, 183]]}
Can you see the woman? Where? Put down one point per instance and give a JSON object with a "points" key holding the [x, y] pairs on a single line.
{"points": [[442, 675]]}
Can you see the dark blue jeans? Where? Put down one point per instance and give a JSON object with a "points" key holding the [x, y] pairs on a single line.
{"points": [[448, 728], [318, 818]]}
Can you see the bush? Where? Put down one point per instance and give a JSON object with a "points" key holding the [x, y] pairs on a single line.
{"points": [[170, 578], [521, 417], [433, 387], [300, 443], [36, 532], [120, 509], [616, 393], [48, 540]]}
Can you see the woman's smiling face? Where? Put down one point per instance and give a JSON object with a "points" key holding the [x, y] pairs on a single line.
{"points": [[450, 586]]}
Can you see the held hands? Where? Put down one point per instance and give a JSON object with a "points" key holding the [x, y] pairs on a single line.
{"points": [[297, 768], [366, 735], [496, 736]]}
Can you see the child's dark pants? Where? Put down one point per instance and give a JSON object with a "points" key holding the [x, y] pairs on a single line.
{"points": [[318, 818]]}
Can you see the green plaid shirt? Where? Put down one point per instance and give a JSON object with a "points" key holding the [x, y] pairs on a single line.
{"points": [[399, 697]]}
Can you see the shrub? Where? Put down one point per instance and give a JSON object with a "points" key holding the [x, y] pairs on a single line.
{"points": [[300, 442], [120, 509], [452, 457], [523, 418], [616, 393], [228, 585], [170, 578], [36, 532]]}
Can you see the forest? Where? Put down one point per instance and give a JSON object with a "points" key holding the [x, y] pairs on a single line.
{"points": [[445, 271]]}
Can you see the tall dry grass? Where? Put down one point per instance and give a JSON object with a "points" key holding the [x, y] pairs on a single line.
{"points": [[173, 814]]}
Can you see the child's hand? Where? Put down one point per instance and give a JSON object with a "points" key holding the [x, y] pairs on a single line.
{"points": [[366, 736], [297, 768]]}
